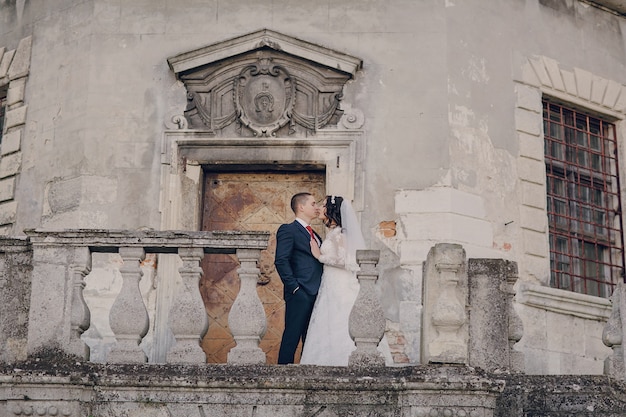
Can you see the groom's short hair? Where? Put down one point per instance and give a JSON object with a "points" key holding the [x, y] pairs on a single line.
{"points": [[298, 199]]}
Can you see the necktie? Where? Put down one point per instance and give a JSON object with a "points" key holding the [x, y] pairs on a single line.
{"points": [[310, 229]]}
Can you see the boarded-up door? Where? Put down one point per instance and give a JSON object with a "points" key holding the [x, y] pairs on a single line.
{"points": [[247, 201]]}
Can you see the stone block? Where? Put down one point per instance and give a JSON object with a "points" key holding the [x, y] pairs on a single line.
{"points": [[488, 314], [620, 105], [439, 200], [584, 81], [8, 212], [535, 268], [10, 164], [528, 98], [554, 73], [535, 243], [5, 61], [11, 142], [15, 117], [15, 94], [532, 170], [48, 322], [569, 81], [21, 60], [531, 146], [534, 195], [598, 88], [566, 334], [448, 227], [534, 219], [528, 121], [7, 189], [613, 89], [594, 346], [553, 363], [534, 320], [523, 71], [535, 361]]}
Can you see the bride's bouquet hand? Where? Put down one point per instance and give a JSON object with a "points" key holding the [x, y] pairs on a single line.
{"points": [[315, 250]]}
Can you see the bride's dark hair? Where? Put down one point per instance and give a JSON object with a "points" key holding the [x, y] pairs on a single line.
{"points": [[333, 210]]}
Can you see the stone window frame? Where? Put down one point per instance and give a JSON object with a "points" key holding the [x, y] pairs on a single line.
{"points": [[543, 76], [14, 71]]}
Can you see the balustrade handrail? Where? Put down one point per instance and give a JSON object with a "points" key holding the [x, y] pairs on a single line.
{"points": [[153, 241]]}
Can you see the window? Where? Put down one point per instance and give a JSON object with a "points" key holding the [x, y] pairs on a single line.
{"points": [[3, 104], [584, 212]]}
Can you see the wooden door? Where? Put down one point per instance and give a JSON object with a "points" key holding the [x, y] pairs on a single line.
{"points": [[248, 201]]}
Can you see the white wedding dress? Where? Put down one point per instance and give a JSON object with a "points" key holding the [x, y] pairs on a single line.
{"points": [[328, 340]]}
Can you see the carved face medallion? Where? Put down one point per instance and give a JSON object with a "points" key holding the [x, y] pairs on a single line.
{"points": [[264, 97]]}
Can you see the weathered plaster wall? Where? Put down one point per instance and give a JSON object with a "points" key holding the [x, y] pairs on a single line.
{"points": [[437, 91], [436, 87]]}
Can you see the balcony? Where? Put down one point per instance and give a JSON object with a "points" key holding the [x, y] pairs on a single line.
{"points": [[45, 368]]}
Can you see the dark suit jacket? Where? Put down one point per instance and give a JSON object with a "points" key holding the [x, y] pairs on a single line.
{"points": [[294, 261]]}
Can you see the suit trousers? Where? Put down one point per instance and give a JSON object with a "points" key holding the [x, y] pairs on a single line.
{"points": [[298, 309]]}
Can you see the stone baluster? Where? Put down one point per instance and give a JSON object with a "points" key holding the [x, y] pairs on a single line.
{"points": [[188, 319], [367, 319], [129, 316], [80, 317], [446, 331], [246, 319], [516, 326], [613, 335]]}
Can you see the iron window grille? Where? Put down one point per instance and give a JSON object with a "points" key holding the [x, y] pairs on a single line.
{"points": [[584, 210]]}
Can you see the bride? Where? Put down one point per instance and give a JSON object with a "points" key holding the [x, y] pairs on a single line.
{"points": [[328, 340]]}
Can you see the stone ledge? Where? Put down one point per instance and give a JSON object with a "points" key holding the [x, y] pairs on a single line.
{"points": [[564, 302]]}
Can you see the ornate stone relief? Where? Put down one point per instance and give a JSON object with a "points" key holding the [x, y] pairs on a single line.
{"points": [[264, 85]]}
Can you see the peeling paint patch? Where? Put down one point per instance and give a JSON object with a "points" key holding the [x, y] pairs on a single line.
{"points": [[477, 70], [461, 116]]}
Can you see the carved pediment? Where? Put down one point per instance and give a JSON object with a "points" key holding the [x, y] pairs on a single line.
{"points": [[263, 84]]}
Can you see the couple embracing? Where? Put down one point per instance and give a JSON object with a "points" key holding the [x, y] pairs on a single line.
{"points": [[319, 278]]}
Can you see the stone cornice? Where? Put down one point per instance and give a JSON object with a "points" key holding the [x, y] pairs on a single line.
{"points": [[261, 39]]}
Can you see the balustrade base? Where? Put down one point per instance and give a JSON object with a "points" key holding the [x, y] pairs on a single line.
{"points": [[186, 352], [448, 352], [366, 358], [614, 364], [246, 356], [127, 355]]}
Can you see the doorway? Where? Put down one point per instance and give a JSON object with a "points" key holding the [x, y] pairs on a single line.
{"points": [[249, 201]]}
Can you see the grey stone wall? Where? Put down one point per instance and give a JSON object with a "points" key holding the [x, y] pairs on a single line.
{"points": [[59, 385], [15, 285], [561, 396]]}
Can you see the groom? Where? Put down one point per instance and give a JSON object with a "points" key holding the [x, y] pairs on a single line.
{"points": [[299, 271]]}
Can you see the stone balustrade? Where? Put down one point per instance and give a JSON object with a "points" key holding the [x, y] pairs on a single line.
{"points": [[59, 315]]}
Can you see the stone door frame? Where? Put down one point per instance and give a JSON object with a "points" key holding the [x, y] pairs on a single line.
{"points": [[185, 153]]}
